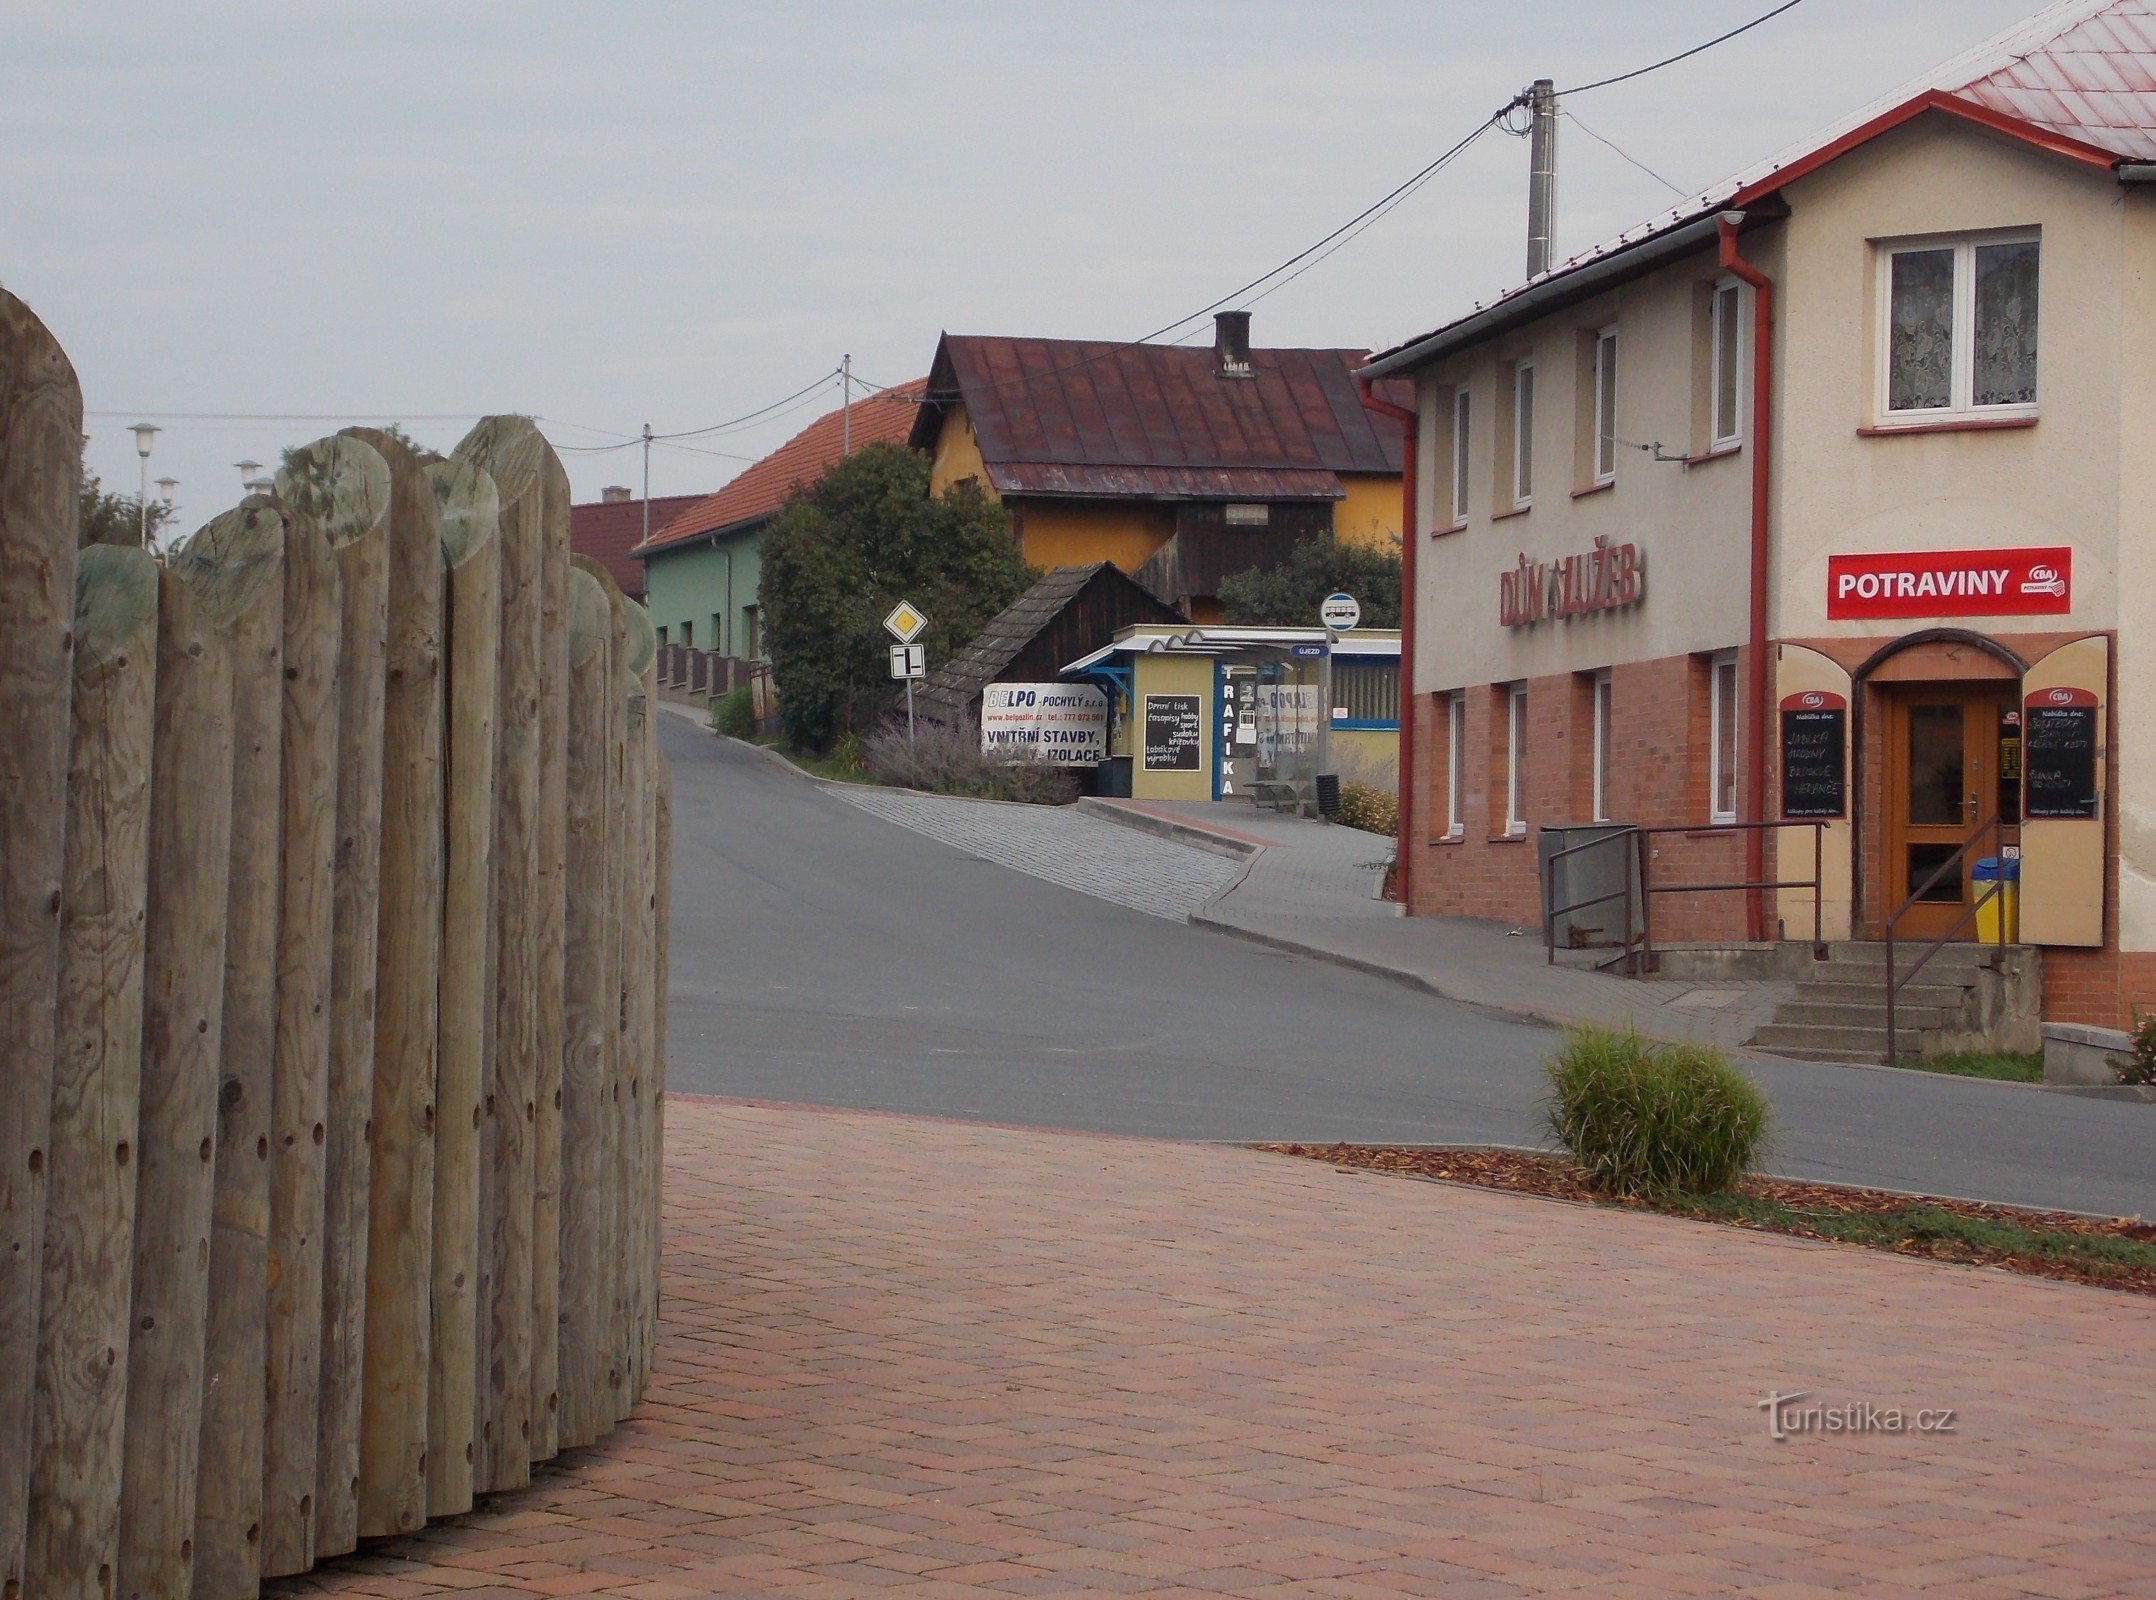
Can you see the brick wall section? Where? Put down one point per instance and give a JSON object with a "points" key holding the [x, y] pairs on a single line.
{"points": [[1658, 775]]}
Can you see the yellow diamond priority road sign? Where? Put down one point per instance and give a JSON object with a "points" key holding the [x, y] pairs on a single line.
{"points": [[905, 623]]}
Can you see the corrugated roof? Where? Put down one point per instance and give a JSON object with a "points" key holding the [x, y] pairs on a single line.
{"points": [[2079, 77], [885, 417], [1086, 417], [608, 530]]}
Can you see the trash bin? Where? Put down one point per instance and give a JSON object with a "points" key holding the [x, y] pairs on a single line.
{"points": [[1998, 919], [1328, 794]]}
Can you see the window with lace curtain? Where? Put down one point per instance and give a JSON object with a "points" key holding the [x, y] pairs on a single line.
{"points": [[1958, 324]]}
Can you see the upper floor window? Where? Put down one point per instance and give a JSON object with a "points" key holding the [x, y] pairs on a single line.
{"points": [[1724, 417], [1605, 377], [1959, 323], [1523, 436], [1460, 456]]}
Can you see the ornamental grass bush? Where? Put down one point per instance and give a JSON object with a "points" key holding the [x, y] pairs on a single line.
{"points": [[947, 758], [1653, 1120]]}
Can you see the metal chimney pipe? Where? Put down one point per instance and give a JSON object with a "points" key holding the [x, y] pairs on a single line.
{"points": [[1542, 176]]}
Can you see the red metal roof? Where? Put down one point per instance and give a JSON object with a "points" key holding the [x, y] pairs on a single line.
{"points": [[2078, 79], [607, 531], [1082, 417], [885, 417]]}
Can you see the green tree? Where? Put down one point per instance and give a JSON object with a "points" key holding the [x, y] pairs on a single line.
{"points": [[844, 552], [1289, 595], [109, 518]]}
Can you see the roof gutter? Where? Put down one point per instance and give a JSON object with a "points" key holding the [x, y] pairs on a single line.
{"points": [[1756, 693], [1546, 296], [1410, 432]]}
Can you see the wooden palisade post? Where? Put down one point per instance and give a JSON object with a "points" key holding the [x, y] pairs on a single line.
{"points": [[510, 450], [553, 854], [588, 1015], [639, 682], [74, 1544], [471, 615], [299, 1101], [662, 911], [236, 565], [344, 485], [183, 987], [40, 480], [400, 1191]]}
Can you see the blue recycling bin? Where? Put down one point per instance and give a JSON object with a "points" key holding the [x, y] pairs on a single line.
{"points": [[1998, 919]]}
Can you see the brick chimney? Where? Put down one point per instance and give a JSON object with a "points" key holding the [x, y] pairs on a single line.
{"points": [[615, 494], [1231, 343]]}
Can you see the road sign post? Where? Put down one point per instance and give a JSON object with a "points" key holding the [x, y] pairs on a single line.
{"points": [[908, 660], [1338, 613]]}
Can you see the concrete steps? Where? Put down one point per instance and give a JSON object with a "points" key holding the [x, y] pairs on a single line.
{"points": [[1839, 1011]]}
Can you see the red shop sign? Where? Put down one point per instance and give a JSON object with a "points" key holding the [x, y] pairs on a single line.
{"points": [[1951, 583]]}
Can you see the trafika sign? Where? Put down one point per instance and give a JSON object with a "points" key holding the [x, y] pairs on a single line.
{"points": [[1952, 583]]}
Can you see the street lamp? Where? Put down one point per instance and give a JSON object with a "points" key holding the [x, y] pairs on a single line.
{"points": [[248, 470], [144, 433]]}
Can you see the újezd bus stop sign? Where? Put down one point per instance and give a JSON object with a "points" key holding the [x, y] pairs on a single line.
{"points": [[1340, 612]]}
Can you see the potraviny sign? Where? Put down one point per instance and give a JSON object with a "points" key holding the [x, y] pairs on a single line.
{"points": [[1607, 578], [1062, 723], [1952, 583]]}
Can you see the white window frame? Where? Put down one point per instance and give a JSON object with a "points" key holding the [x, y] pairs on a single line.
{"points": [[1455, 748], [1962, 378], [1462, 416], [1723, 704], [1607, 375], [1523, 436], [1515, 760], [1599, 716], [1726, 317]]}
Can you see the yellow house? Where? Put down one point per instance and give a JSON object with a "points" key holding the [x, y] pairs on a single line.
{"points": [[1182, 466]]}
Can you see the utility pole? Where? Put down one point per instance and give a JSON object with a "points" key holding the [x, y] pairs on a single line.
{"points": [[1542, 175], [647, 485], [845, 424]]}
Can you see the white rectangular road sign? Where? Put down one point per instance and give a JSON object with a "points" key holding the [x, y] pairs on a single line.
{"points": [[909, 661], [1062, 723]]}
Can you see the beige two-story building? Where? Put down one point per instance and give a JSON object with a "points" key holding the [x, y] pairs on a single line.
{"points": [[1826, 498]]}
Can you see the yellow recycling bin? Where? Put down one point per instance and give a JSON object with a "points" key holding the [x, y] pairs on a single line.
{"points": [[1998, 918]]}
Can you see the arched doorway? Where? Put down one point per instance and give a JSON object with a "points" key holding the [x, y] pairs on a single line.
{"points": [[1939, 747]]}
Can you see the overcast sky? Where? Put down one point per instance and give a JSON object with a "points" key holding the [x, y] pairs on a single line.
{"points": [[677, 213]]}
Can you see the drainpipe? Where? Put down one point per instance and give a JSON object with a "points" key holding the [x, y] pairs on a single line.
{"points": [[1410, 428], [1756, 693]]}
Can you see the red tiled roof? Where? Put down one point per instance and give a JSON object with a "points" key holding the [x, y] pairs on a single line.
{"points": [[2078, 78], [1081, 417], [885, 417], [607, 531]]}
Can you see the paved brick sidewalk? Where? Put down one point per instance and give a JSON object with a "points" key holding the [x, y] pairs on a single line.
{"points": [[932, 1359]]}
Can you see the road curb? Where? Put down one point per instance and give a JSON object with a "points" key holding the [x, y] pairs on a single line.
{"points": [[1169, 828]]}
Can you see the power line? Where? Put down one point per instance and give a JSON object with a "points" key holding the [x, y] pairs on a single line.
{"points": [[1626, 156], [1682, 55], [760, 412]]}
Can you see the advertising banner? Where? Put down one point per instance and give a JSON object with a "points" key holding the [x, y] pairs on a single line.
{"points": [[1062, 723], [1951, 583]]}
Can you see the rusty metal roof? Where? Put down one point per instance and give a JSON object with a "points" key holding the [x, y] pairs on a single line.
{"points": [[1083, 417]]}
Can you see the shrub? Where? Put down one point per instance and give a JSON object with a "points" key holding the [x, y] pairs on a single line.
{"points": [[946, 758], [2140, 1066], [1365, 806], [1653, 1120], [734, 714], [1291, 592]]}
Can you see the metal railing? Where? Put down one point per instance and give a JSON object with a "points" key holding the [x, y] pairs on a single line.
{"points": [[1637, 954], [1995, 831]]}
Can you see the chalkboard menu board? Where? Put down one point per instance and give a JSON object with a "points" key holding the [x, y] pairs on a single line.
{"points": [[1174, 733], [1815, 756], [2058, 755]]}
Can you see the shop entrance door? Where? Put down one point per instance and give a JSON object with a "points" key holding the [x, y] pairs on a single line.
{"points": [[1953, 763]]}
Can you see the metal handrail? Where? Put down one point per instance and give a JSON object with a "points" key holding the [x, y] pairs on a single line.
{"points": [[1631, 837], [1994, 829]]}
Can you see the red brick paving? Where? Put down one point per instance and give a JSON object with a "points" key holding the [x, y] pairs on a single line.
{"points": [[911, 1358]]}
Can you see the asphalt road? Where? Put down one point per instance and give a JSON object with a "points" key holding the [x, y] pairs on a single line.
{"points": [[824, 956]]}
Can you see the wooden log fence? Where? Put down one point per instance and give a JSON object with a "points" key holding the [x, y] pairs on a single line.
{"points": [[332, 936]]}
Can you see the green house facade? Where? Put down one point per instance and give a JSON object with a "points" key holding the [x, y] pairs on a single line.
{"points": [[703, 593]]}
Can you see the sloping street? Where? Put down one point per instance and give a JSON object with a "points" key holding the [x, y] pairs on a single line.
{"points": [[826, 956]]}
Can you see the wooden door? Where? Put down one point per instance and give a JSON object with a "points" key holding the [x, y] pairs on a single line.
{"points": [[1952, 765]]}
